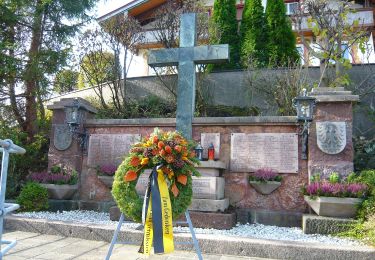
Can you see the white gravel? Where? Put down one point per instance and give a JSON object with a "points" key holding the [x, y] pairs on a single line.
{"points": [[248, 230]]}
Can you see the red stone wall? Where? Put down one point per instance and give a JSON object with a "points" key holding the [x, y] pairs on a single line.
{"points": [[237, 189]]}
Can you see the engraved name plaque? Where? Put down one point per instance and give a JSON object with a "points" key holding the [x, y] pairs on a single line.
{"points": [[109, 148], [278, 151]]}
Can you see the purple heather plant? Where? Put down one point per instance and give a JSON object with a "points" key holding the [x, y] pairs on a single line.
{"points": [[343, 190], [264, 175], [63, 176], [107, 170]]}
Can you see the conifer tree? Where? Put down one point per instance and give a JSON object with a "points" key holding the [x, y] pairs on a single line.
{"points": [[282, 41], [254, 34], [225, 19]]}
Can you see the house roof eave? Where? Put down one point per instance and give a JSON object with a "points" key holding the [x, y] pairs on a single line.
{"points": [[121, 9]]}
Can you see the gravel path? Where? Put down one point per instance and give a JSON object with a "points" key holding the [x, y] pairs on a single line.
{"points": [[248, 230]]}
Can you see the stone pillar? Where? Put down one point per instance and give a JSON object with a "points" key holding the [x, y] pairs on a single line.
{"points": [[63, 148], [330, 139]]}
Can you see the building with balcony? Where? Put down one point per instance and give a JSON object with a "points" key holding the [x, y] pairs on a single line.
{"points": [[144, 11]]}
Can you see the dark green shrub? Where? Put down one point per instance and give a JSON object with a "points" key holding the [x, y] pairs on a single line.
{"points": [[148, 107], [222, 111], [364, 231], [33, 197], [367, 207], [364, 153], [35, 158]]}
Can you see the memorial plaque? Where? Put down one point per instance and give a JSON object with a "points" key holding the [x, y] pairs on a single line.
{"points": [[109, 148], [210, 138], [278, 151]]}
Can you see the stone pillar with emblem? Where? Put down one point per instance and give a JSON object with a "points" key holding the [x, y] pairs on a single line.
{"points": [[64, 148], [330, 139]]}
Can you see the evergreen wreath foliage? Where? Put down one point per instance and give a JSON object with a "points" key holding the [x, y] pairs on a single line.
{"points": [[174, 154]]}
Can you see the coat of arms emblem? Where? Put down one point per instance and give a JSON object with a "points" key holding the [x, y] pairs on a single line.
{"points": [[62, 137], [331, 136]]}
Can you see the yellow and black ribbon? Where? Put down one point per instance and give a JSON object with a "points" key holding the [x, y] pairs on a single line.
{"points": [[157, 216]]}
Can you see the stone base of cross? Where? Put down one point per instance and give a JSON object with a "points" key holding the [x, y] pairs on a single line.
{"points": [[186, 57]]}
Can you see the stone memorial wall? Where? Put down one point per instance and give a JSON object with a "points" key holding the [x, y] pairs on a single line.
{"points": [[277, 132]]}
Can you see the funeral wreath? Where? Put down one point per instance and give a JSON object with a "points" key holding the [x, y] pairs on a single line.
{"points": [[173, 156]]}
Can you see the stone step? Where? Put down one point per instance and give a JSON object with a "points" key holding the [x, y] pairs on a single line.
{"points": [[207, 205], [208, 188], [209, 244], [203, 187], [313, 224]]}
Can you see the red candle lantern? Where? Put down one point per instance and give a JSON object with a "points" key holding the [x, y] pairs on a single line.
{"points": [[211, 152]]}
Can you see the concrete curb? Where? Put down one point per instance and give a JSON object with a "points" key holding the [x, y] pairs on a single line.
{"points": [[209, 243]]}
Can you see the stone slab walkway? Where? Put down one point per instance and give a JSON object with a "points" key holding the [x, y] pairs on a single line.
{"points": [[41, 246]]}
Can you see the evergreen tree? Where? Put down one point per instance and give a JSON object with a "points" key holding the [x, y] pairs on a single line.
{"points": [[282, 41], [66, 80], [225, 18], [254, 34], [35, 42]]}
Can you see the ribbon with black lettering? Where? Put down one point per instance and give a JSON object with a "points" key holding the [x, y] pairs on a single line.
{"points": [[157, 216]]}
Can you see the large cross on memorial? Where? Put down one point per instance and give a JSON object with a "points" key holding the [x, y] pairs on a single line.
{"points": [[186, 57]]}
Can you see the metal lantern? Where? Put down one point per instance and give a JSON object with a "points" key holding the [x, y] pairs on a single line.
{"points": [[73, 113], [305, 112], [304, 106], [199, 152]]}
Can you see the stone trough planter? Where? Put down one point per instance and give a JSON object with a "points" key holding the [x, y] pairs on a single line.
{"points": [[265, 188], [61, 192], [107, 180], [334, 207]]}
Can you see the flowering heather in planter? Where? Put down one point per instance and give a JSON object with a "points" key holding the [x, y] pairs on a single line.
{"points": [[64, 176], [107, 170], [265, 175], [342, 190]]}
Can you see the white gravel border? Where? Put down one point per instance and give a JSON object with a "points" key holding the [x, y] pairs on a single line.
{"points": [[248, 230]]}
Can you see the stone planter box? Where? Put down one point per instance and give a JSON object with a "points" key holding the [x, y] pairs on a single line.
{"points": [[61, 192], [334, 207], [265, 188], [107, 180]]}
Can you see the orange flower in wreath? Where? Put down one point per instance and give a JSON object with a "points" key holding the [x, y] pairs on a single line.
{"points": [[135, 161]]}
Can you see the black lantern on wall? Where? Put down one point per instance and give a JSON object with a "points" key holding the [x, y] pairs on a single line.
{"points": [[305, 107], [305, 111], [74, 116]]}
